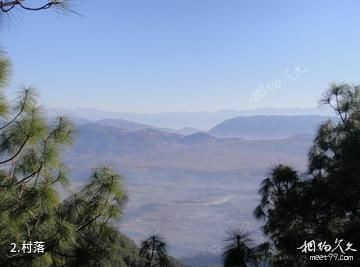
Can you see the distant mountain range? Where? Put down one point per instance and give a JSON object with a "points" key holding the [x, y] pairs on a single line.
{"points": [[180, 120], [183, 131], [247, 127], [123, 124], [131, 126], [268, 127], [153, 146], [97, 138], [134, 126]]}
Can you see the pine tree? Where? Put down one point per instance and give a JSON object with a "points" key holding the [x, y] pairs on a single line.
{"points": [[322, 204], [76, 231], [238, 251], [154, 251]]}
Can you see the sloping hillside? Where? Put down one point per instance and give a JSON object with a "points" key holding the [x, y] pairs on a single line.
{"points": [[123, 124], [267, 127]]}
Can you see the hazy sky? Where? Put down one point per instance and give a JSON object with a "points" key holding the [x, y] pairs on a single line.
{"points": [[185, 55]]}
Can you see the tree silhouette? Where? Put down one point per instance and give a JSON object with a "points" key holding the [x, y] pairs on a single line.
{"points": [[77, 231], [238, 251], [154, 251], [28, 5], [322, 204]]}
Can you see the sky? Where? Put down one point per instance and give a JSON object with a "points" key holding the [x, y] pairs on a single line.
{"points": [[150, 56]]}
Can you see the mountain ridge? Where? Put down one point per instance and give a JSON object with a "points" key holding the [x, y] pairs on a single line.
{"points": [[268, 127], [202, 120]]}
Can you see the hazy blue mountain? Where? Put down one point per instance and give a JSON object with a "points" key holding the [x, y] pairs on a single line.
{"points": [[124, 124], [77, 121], [198, 139], [99, 138], [132, 126], [183, 131], [80, 121], [323, 111], [178, 120], [267, 127], [96, 138]]}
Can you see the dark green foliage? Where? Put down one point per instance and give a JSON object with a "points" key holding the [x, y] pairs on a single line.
{"points": [[324, 203], [154, 251], [238, 249], [79, 231], [89, 211], [7, 6]]}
